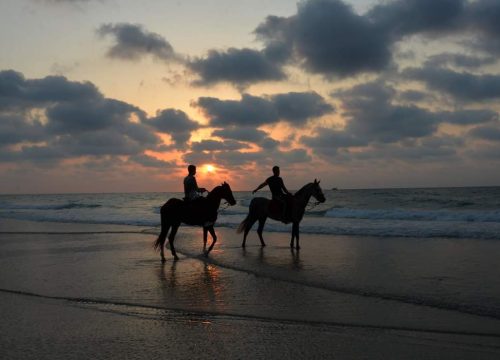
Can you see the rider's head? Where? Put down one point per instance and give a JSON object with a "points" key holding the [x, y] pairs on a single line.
{"points": [[192, 169], [276, 170]]}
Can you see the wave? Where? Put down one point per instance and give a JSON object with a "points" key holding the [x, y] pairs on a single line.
{"points": [[415, 215], [146, 311], [66, 206], [324, 225]]}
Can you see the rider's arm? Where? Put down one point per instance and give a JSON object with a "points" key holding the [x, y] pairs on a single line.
{"points": [[260, 187], [284, 188], [198, 189]]}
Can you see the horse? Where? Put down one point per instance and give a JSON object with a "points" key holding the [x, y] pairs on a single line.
{"points": [[261, 208], [200, 212]]}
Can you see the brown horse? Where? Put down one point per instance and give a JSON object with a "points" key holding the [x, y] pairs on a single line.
{"points": [[200, 212], [262, 208]]}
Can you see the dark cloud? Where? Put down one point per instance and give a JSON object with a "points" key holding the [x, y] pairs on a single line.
{"points": [[249, 134], [406, 17], [132, 42], [468, 117], [235, 159], [413, 96], [214, 145], [240, 67], [250, 110], [461, 85], [295, 108], [151, 162], [16, 129], [460, 60], [487, 132], [176, 123], [372, 116], [326, 142], [329, 38], [19, 93], [52, 118]]}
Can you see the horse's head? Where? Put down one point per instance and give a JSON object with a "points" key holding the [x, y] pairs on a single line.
{"points": [[227, 194], [317, 192]]}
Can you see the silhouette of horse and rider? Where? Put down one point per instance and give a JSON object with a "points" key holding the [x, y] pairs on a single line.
{"points": [[197, 210]]}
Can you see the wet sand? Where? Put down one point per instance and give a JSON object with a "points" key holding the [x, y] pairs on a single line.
{"points": [[82, 291]]}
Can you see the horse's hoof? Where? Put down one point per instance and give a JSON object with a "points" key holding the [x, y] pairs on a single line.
{"points": [[163, 260], [206, 253], [176, 258]]}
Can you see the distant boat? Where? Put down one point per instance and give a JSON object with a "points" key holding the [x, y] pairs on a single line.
{"points": [[334, 188]]}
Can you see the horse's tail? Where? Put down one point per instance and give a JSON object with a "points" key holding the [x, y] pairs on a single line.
{"points": [[163, 234], [157, 243], [243, 225]]}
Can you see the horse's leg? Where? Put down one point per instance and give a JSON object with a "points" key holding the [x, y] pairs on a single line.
{"points": [[214, 239], [162, 238], [295, 233], [171, 238], [262, 222], [248, 226], [205, 236]]}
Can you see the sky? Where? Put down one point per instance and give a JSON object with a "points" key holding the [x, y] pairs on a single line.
{"points": [[121, 95]]}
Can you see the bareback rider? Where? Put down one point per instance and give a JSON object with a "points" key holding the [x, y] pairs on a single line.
{"points": [[279, 191]]}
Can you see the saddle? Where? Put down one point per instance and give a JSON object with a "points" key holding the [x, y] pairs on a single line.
{"points": [[276, 209], [198, 212]]}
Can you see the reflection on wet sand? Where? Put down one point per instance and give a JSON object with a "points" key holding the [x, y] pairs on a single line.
{"points": [[196, 282]]}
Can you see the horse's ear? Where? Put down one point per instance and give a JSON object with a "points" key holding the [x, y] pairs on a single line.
{"points": [[315, 181]]}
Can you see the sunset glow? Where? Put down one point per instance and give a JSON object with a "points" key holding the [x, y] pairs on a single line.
{"points": [[209, 168], [107, 97]]}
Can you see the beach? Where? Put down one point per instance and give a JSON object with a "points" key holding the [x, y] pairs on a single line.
{"points": [[100, 291]]}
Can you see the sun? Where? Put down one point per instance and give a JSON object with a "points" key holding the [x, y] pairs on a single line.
{"points": [[209, 168]]}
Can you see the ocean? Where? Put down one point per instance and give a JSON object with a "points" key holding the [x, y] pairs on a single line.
{"points": [[468, 213]]}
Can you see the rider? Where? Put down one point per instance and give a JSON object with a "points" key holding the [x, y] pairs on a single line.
{"points": [[278, 190], [191, 189]]}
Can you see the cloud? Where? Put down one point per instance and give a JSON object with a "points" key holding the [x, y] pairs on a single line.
{"points": [[407, 17], [151, 162], [247, 134], [329, 38], [460, 60], [17, 92], [52, 119], [16, 129], [463, 86], [214, 145], [240, 67], [132, 42], [488, 132], [294, 108], [372, 116], [468, 117], [176, 123]]}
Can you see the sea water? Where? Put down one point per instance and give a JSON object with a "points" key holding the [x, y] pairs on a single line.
{"points": [[472, 213]]}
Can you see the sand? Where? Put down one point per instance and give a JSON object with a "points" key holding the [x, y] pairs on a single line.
{"points": [[79, 291]]}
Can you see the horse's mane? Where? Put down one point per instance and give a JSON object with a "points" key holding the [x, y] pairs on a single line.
{"points": [[302, 189]]}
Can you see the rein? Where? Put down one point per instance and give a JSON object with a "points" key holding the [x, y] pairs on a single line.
{"points": [[223, 207], [309, 207]]}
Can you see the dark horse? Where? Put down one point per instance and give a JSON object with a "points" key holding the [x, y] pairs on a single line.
{"points": [[201, 212], [262, 208]]}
